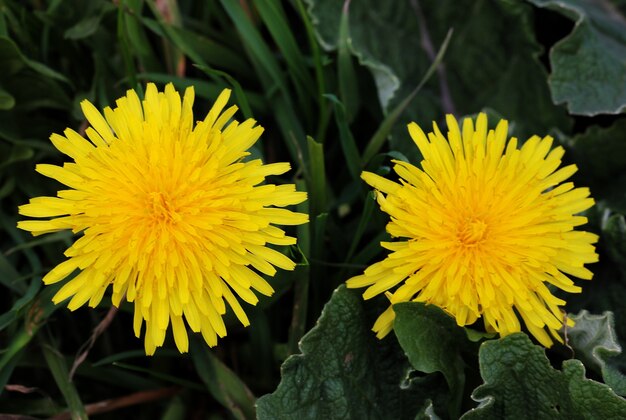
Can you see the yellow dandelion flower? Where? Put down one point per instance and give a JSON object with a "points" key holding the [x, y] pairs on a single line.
{"points": [[488, 227], [169, 214]]}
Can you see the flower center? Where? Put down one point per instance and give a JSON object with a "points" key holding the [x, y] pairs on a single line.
{"points": [[472, 232], [162, 208]]}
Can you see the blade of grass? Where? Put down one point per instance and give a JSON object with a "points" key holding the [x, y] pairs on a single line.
{"points": [[256, 46], [161, 376], [9, 225], [348, 145], [138, 39], [378, 139], [199, 49], [11, 315], [368, 207], [242, 99], [273, 16], [117, 377], [272, 78], [371, 250], [348, 89], [129, 64], [58, 368], [113, 404], [323, 113], [36, 316], [132, 354], [3, 25], [260, 339], [317, 184], [9, 277], [301, 282], [222, 383], [176, 410], [48, 239]]}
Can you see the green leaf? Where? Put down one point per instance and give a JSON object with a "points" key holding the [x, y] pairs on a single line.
{"points": [[37, 314], [377, 140], [7, 101], [614, 236], [9, 276], [138, 38], [252, 38], [240, 94], [348, 145], [588, 64], [519, 382], [223, 384], [10, 316], [317, 185], [84, 28], [58, 368], [345, 372], [595, 343], [346, 75], [153, 373], [432, 341], [599, 152], [273, 15], [481, 70], [273, 79], [18, 153], [12, 61]]}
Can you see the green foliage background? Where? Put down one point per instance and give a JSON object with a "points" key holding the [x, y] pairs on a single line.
{"points": [[334, 84]]}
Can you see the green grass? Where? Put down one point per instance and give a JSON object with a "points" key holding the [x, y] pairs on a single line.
{"points": [[334, 85]]}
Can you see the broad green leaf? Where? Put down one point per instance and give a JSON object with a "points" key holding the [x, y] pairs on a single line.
{"points": [[345, 372], [595, 343], [377, 140], [599, 152], [588, 66], [481, 70], [432, 341], [519, 382]]}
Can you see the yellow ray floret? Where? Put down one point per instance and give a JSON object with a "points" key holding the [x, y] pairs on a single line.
{"points": [[484, 225], [169, 213]]}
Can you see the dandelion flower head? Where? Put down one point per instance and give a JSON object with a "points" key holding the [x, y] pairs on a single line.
{"points": [[485, 229], [168, 212]]}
